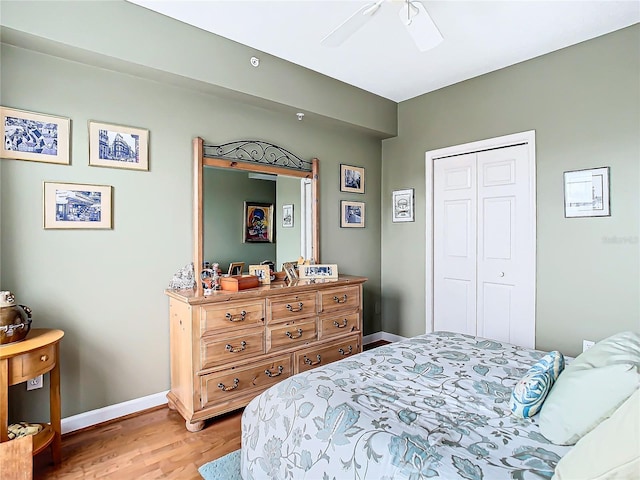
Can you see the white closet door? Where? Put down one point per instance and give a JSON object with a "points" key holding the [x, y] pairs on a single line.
{"points": [[506, 266], [454, 295]]}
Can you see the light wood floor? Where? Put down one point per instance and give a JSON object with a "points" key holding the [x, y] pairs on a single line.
{"points": [[147, 445]]}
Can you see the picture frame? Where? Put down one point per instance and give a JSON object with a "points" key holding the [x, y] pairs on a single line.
{"points": [[290, 269], [263, 272], [118, 146], [287, 216], [351, 214], [236, 268], [258, 223], [76, 206], [351, 179], [402, 206], [586, 193], [318, 271], [35, 137]]}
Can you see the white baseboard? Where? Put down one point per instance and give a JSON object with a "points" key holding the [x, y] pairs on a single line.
{"points": [[387, 337], [100, 415], [94, 417]]}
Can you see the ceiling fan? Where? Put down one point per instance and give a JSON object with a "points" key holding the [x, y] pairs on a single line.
{"points": [[413, 15]]}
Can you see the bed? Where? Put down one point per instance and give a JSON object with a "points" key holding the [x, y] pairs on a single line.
{"points": [[436, 405]]}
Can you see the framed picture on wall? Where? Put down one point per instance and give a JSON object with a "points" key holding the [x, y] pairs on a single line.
{"points": [[351, 214], [73, 205], [351, 179], [586, 193], [34, 136], [258, 222], [402, 204], [287, 216], [117, 146]]}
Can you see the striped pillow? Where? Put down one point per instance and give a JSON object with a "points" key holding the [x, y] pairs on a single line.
{"points": [[530, 392]]}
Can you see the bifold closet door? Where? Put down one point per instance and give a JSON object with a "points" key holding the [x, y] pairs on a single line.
{"points": [[484, 247]]}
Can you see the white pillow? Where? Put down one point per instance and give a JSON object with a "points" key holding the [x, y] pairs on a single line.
{"points": [[591, 388], [610, 451]]}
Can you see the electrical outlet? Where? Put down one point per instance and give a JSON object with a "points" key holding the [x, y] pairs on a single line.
{"points": [[34, 383], [587, 344]]}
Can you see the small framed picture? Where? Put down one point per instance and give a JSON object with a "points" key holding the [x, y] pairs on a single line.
{"points": [[236, 268], [73, 205], [34, 136], [351, 179], [402, 201], [290, 270], [258, 223], [318, 271], [287, 216], [586, 193], [118, 146], [351, 214], [262, 272]]}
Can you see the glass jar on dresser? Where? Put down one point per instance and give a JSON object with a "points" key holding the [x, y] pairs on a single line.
{"points": [[228, 347]]}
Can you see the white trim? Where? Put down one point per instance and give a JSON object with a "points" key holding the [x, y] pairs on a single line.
{"points": [[100, 415], [528, 137], [387, 337]]}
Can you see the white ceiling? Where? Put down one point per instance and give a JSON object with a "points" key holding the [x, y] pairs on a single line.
{"points": [[479, 36]]}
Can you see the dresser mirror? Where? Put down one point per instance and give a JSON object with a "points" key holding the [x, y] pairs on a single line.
{"points": [[229, 177]]}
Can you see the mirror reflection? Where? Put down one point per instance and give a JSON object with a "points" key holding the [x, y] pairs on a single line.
{"points": [[226, 192]]}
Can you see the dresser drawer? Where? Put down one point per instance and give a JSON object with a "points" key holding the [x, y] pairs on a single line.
{"points": [[31, 364], [323, 355], [230, 315], [288, 307], [235, 382], [347, 298], [290, 334], [231, 348], [331, 325]]}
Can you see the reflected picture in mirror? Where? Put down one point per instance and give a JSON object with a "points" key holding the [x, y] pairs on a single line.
{"points": [[258, 222], [236, 268]]}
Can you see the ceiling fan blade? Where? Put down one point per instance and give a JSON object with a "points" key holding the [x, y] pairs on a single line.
{"points": [[420, 26], [351, 25]]}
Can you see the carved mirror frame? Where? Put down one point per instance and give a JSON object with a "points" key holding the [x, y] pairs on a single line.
{"points": [[251, 156]]}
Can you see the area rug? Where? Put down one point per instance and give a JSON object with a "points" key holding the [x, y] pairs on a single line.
{"points": [[224, 468]]}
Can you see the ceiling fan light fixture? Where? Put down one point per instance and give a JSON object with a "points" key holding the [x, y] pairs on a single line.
{"points": [[420, 26]]}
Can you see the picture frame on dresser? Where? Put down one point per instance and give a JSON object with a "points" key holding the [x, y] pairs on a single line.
{"points": [[263, 272], [318, 271], [35, 137]]}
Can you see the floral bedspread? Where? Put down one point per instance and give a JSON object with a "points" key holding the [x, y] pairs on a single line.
{"points": [[436, 405]]}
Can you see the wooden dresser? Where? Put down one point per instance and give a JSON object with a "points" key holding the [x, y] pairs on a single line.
{"points": [[228, 347]]}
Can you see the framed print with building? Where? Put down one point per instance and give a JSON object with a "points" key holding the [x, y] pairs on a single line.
{"points": [[118, 146], [351, 214], [258, 223], [72, 205], [402, 204], [586, 193], [351, 179], [34, 136]]}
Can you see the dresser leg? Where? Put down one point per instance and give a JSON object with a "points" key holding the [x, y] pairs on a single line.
{"points": [[194, 427], [170, 404]]}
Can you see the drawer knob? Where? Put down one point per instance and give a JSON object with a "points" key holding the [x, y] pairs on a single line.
{"points": [[340, 300], [269, 373], [224, 388], [231, 349], [44, 358], [344, 352], [236, 318], [308, 361], [338, 325], [291, 336], [291, 309]]}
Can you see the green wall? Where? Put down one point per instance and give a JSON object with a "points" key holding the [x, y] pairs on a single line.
{"points": [[288, 239], [584, 104], [104, 288], [225, 192]]}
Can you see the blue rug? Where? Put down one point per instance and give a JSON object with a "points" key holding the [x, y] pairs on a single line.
{"points": [[224, 468]]}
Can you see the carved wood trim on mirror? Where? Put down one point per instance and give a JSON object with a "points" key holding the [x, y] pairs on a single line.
{"points": [[251, 156]]}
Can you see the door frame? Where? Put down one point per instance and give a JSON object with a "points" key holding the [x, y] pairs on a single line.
{"points": [[528, 138]]}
